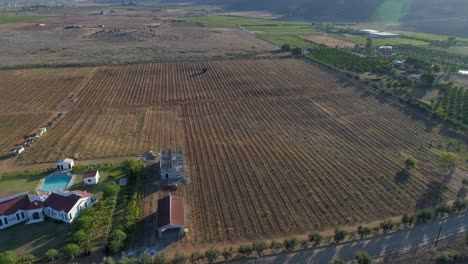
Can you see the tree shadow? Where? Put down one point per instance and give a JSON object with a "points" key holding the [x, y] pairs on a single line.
{"points": [[402, 176], [434, 194]]}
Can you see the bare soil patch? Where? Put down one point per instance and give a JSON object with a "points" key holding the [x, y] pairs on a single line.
{"points": [[329, 41]]}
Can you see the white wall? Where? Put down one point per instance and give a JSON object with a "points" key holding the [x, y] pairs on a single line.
{"points": [[13, 219]]}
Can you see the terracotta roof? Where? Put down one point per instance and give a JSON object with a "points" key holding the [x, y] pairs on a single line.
{"points": [[11, 206], [171, 211], [90, 174], [64, 203], [83, 194], [34, 205]]}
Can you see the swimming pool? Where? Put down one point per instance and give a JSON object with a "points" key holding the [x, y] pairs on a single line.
{"points": [[56, 182]]}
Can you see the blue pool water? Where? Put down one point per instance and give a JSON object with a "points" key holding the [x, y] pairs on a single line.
{"points": [[55, 182]]}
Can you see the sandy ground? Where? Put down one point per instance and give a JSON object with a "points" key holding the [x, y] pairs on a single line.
{"points": [[118, 36], [329, 41]]}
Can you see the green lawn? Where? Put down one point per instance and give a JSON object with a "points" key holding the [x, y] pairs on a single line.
{"points": [[14, 19], [35, 238], [106, 173], [20, 182]]}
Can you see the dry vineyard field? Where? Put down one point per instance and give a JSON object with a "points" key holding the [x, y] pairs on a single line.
{"points": [[273, 147]]}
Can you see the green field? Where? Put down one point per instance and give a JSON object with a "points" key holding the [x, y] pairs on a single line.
{"points": [[15, 19], [428, 37], [232, 21], [13, 183], [361, 40]]}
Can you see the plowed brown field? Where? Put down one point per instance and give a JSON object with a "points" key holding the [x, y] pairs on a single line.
{"points": [[273, 147]]}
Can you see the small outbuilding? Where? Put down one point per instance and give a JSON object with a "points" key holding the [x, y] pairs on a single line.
{"points": [[91, 177], [172, 164], [65, 164], [171, 215]]}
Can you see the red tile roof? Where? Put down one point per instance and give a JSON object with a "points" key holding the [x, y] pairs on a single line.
{"points": [[90, 174], [11, 206], [64, 203], [35, 205], [171, 211]]}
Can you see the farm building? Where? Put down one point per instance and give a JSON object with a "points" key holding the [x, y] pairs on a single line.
{"points": [[91, 177], [171, 215], [377, 34], [22, 207], [65, 164], [172, 164], [463, 72], [66, 206]]}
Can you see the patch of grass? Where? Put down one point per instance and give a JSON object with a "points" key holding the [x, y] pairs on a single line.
{"points": [[15, 19], [232, 21], [362, 40], [17, 182], [428, 37], [106, 173], [35, 238]]}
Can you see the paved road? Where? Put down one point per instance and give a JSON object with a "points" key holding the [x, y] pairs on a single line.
{"points": [[377, 246]]}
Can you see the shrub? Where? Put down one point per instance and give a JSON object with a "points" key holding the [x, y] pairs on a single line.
{"points": [[407, 219], [196, 256], [297, 51], [362, 257], [387, 225], [410, 163], [276, 246], [286, 47], [363, 231], [178, 259], [449, 256], [227, 253], [245, 250], [71, 250], [159, 258], [315, 238], [259, 246], [111, 189], [340, 235], [8, 257], [52, 254], [290, 243], [116, 241], [425, 216]]}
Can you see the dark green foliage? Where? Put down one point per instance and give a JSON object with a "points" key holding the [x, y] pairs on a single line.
{"points": [[315, 238], [196, 257], [245, 250], [259, 246], [424, 216], [178, 259], [227, 253], [407, 219], [442, 210], [8, 257], [116, 241], [286, 47], [410, 163], [159, 258], [276, 246], [211, 255], [28, 259], [340, 235], [71, 250], [369, 43], [362, 257], [387, 225], [364, 231], [297, 51], [460, 205], [449, 256], [111, 189], [52, 254], [290, 243]]}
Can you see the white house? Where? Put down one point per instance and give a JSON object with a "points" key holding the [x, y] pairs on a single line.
{"points": [[91, 177], [65, 164], [66, 206], [22, 207], [172, 164], [41, 131], [171, 215]]}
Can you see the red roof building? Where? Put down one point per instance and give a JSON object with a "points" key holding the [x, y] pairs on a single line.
{"points": [[91, 177], [171, 214]]}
